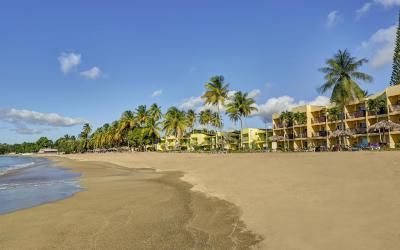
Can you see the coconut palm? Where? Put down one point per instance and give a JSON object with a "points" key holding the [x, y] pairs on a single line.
{"points": [[341, 73], [216, 94], [126, 123], [175, 123], [205, 118], [142, 114], [191, 119], [84, 135], [240, 106], [155, 112], [152, 131], [233, 114], [376, 106]]}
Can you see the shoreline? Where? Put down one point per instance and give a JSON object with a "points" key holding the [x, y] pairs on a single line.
{"points": [[132, 207]]}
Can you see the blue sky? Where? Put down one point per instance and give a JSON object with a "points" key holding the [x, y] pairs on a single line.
{"points": [[91, 60]]}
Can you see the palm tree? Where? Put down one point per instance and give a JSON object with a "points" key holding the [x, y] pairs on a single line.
{"points": [[216, 94], [175, 123], [341, 71], [84, 135], [126, 123], [155, 112], [300, 118], [376, 106], [240, 106], [191, 119], [152, 131], [205, 118], [233, 114], [287, 121], [142, 114]]}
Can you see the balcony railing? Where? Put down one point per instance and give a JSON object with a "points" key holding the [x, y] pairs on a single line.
{"points": [[320, 119], [301, 135], [359, 131], [356, 114], [322, 133], [394, 108]]}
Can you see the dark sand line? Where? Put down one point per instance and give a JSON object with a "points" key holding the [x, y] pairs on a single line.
{"points": [[122, 208]]}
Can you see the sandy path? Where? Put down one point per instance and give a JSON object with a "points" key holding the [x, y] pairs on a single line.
{"points": [[297, 201]]}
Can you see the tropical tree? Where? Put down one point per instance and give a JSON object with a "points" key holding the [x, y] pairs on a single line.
{"points": [[191, 119], [287, 119], [376, 106], [152, 131], [395, 78], [300, 118], [155, 112], [205, 118], [126, 123], [84, 135], [142, 114], [175, 123], [240, 106], [341, 73], [216, 95]]}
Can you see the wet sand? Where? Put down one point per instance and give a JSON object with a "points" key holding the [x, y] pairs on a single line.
{"points": [[125, 208], [328, 201]]}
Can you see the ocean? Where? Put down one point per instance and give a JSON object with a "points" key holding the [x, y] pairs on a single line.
{"points": [[27, 182]]}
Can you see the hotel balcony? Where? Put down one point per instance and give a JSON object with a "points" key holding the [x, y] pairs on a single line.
{"points": [[359, 131], [300, 136], [394, 108], [320, 119], [322, 133], [357, 114]]}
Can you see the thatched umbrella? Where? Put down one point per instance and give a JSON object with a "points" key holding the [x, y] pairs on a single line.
{"points": [[385, 125], [342, 133]]}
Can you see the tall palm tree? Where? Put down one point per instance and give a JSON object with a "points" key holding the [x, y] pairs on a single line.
{"points": [[191, 119], [375, 106], [142, 114], [216, 94], [341, 73], [126, 123], [233, 114], [175, 123], [240, 106], [205, 118], [84, 135], [155, 112], [152, 131]]}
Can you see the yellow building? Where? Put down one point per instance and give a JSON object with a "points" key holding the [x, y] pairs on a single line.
{"points": [[317, 128], [255, 138]]}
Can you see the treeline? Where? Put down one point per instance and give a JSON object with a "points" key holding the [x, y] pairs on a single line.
{"points": [[141, 129]]}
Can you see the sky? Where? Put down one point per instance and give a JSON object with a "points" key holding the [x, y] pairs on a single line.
{"points": [[63, 63]]}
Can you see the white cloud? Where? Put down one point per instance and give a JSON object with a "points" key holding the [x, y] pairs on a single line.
{"points": [[191, 102], [363, 10], [254, 93], [20, 118], [282, 103], [92, 73], [367, 6], [69, 61], [333, 18], [157, 93], [381, 46]]}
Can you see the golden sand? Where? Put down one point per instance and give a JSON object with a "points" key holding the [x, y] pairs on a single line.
{"points": [[125, 208], [295, 200]]}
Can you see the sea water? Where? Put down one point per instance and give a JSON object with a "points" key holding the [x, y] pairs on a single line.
{"points": [[27, 182]]}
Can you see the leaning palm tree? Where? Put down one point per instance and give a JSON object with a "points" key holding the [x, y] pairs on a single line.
{"points": [[216, 94], [341, 73], [175, 123], [191, 119]]}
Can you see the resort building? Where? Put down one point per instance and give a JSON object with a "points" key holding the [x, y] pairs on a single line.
{"points": [[318, 126], [255, 138]]}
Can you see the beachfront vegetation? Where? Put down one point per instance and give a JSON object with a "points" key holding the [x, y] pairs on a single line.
{"points": [[341, 73], [395, 78], [144, 127]]}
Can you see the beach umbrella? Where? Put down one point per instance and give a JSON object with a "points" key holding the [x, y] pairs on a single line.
{"points": [[342, 133], [385, 125]]}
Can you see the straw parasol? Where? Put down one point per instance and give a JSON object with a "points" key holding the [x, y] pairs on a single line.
{"points": [[342, 133], [385, 125]]}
